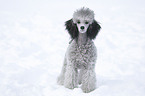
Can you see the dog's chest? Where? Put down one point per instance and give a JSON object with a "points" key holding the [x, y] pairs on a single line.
{"points": [[81, 55]]}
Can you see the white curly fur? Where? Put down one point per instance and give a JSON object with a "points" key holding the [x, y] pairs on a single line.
{"points": [[79, 62], [83, 14]]}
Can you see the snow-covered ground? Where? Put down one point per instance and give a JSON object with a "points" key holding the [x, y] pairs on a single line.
{"points": [[33, 41]]}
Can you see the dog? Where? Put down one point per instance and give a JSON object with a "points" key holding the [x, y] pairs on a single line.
{"points": [[80, 58]]}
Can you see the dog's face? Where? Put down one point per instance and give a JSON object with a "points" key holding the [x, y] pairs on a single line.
{"points": [[82, 25], [83, 21]]}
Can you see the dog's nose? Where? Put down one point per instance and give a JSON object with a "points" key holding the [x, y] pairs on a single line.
{"points": [[82, 27]]}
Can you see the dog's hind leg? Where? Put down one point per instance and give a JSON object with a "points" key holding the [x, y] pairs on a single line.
{"points": [[80, 76], [61, 78]]}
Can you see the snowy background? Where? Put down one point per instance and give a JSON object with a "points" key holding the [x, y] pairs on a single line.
{"points": [[33, 41]]}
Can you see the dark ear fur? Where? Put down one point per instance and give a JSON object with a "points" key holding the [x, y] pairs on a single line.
{"points": [[93, 30], [72, 29]]}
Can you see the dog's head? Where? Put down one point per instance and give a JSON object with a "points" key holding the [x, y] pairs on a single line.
{"points": [[83, 21]]}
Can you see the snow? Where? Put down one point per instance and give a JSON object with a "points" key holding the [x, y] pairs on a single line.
{"points": [[33, 41]]}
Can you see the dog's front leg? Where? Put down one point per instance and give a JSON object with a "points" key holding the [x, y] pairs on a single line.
{"points": [[71, 76], [88, 80]]}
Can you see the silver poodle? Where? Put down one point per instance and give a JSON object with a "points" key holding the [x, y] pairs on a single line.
{"points": [[80, 58]]}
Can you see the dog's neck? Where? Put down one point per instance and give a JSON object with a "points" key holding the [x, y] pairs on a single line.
{"points": [[82, 39]]}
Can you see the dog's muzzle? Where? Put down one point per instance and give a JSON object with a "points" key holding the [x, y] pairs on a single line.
{"points": [[82, 27]]}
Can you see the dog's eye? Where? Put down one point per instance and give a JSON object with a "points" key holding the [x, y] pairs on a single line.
{"points": [[86, 22], [78, 22]]}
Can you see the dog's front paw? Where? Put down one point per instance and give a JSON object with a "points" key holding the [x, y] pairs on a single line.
{"points": [[70, 86], [87, 89]]}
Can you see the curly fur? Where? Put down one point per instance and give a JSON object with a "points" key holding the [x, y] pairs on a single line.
{"points": [[80, 59], [92, 31]]}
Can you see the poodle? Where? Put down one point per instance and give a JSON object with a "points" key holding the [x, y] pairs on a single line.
{"points": [[80, 58]]}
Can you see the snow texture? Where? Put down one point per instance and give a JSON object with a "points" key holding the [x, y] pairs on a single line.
{"points": [[33, 42]]}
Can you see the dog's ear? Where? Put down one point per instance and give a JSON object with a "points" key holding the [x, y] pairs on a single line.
{"points": [[72, 29], [93, 30]]}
